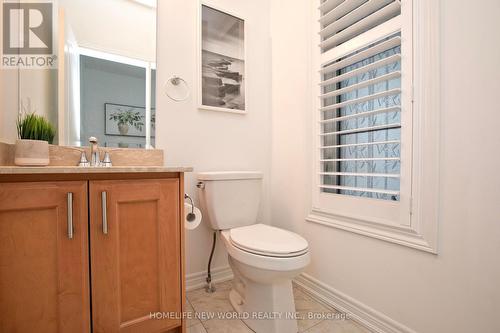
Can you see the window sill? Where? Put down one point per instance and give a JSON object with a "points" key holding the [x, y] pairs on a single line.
{"points": [[401, 235]]}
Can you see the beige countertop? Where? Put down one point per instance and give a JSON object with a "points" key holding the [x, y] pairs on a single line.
{"points": [[15, 170]]}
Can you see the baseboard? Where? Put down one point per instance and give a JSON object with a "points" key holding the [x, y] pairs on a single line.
{"points": [[198, 279], [358, 311]]}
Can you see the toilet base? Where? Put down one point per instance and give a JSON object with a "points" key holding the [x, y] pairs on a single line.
{"points": [[263, 298]]}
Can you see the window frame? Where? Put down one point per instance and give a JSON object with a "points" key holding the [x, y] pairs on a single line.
{"points": [[416, 222]]}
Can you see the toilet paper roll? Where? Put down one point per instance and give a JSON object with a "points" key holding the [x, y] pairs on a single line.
{"points": [[191, 224]]}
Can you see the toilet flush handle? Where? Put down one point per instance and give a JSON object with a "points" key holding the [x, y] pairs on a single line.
{"points": [[200, 185]]}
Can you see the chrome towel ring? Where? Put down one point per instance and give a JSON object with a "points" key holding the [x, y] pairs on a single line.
{"points": [[177, 89]]}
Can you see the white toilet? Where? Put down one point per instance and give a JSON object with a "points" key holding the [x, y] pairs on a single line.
{"points": [[264, 259]]}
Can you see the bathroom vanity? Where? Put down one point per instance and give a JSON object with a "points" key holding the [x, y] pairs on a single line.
{"points": [[91, 249]]}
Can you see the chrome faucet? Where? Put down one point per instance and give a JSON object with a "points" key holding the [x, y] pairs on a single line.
{"points": [[95, 160]]}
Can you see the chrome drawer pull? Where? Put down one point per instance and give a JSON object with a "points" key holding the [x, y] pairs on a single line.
{"points": [[104, 213], [70, 215]]}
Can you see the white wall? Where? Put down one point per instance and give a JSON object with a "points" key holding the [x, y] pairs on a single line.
{"points": [[38, 85], [21, 85], [209, 140], [457, 290], [9, 95], [291, 114], [121, 27]]}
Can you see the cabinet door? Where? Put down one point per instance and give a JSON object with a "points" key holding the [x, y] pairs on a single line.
{"points": [[43, 268], [135, 255]]}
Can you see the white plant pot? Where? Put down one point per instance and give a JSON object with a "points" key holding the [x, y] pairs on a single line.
{"points": [[31, 153], [123, 129]]}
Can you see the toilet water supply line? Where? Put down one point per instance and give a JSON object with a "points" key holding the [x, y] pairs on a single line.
{"points": [[210, 288], [191, 216]]}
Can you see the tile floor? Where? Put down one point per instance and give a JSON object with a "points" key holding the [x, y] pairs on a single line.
{"points": [[204, 305]]}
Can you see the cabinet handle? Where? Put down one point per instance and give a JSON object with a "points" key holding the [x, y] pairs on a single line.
{"points": [[104, 213], [70, 215]]}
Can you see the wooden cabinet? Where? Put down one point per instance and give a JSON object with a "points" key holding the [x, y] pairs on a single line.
{"points": [[44, 272], [125, 254], [135, 255]]}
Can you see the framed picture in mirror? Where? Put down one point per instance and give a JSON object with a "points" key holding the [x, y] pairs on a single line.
{"points": [[126, 120]]}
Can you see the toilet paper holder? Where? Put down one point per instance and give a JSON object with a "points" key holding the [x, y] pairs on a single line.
{"points": [[190, 216]]}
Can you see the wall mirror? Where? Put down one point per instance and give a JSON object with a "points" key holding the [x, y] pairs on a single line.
{"points": [[104, 85]]}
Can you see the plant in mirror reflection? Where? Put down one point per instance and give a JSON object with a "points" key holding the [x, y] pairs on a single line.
{"points": [[126, 117]]}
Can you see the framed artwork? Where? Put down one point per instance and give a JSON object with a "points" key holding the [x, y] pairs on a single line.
{"points": [[222, 72], [126, 120]]}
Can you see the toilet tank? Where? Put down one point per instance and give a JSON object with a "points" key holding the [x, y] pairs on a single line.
{"points": [[230, 199]]}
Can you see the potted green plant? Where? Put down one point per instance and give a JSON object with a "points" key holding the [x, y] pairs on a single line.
{"points": [[126, 118], [35, 133]]}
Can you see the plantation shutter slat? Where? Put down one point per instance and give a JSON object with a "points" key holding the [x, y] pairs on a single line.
{"points": [[358, 115], [361, 99], [393, 42], [341, 10], [375, 65], [362, 84], [359, 189], [359, 174], [335, 34], [362, 159], [362, 144], [328, 5], [351, 15], [363, 129]]}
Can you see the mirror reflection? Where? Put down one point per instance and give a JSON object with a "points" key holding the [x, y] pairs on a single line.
{"points": [[110, 72], [104, 85]]}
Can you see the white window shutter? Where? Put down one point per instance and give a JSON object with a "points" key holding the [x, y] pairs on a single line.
{"points": [[376, 119], [362, 134], [360, 92]]}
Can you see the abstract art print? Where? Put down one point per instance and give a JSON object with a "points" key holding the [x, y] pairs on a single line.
{"points": [[222, 61]]}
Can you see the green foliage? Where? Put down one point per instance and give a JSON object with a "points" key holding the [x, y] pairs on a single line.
{"points": [[128, 117], [33, 127]]}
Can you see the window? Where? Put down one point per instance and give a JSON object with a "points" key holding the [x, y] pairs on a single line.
{"points": [[365, 177], [361, 123]]}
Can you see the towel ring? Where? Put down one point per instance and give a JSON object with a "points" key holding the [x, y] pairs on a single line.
{"points": [[177, 89]]}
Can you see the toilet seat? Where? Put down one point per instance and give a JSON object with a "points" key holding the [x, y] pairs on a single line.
{"points": [[266, 262], [268, 241]]}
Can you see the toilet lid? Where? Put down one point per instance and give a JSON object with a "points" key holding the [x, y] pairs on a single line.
{"points": [[266, 240]]}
